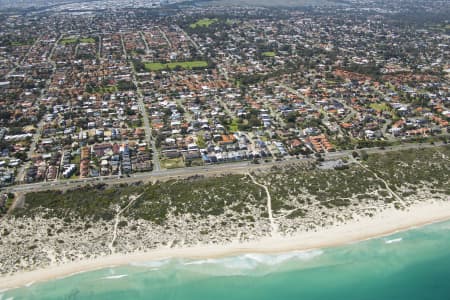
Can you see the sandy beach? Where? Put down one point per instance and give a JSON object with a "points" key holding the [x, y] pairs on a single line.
{"points": [[384, 223]]}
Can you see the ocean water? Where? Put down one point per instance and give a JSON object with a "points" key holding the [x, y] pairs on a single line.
{"points": [[411, 265]]}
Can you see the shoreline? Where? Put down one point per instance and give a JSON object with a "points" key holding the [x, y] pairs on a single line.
{"points": [[385, 223]]}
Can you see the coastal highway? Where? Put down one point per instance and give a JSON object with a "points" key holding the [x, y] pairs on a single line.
{"points": [[228, 168], [208, 170]]}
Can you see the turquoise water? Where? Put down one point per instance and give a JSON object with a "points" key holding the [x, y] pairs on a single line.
{"points": [[408, 265]]}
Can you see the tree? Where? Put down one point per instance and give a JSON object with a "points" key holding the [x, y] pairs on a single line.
{"points": [[364, 155], [21, 155], [124, 85]]}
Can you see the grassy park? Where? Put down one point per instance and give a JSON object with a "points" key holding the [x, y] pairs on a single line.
{"points": [[206, 22], [155, 66], [75, 40], [269, 54]]}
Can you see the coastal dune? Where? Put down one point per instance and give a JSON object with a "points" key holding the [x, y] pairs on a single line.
{"points": [[384, 223]]}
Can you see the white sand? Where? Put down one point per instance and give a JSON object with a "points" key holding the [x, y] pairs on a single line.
{"points": [[383, 223]]}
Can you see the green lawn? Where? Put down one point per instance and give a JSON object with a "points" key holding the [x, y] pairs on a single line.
{"points": [[206, 22], [87, 40], [71, 40], [172, 163], [201, 142], [154, 66], [234, 126], [379, 106], [76, 159], [269, 54], [197, 162], [107, 89], [74, 40], [22, 43]]}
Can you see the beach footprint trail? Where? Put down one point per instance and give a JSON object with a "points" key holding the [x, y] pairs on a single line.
{"points": [[273, 225]]}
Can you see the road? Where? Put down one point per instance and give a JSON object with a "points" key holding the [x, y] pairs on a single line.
{"points": [[300, 95], [29, 50], [40, 125], [220, 169], [100, 45], [225, 106], [32, 149], [148, 130], [147, 48], [165, 37], [147, 176], [188, 37]]}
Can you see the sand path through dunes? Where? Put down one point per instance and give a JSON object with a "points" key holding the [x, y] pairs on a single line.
{"points": [[394, 194], [132, 198], [273, 225]]}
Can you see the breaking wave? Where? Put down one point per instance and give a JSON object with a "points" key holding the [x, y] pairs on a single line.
{"points": [[397, 240], [156, 264], [248, 264], [115, 276], [251, 260]]}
